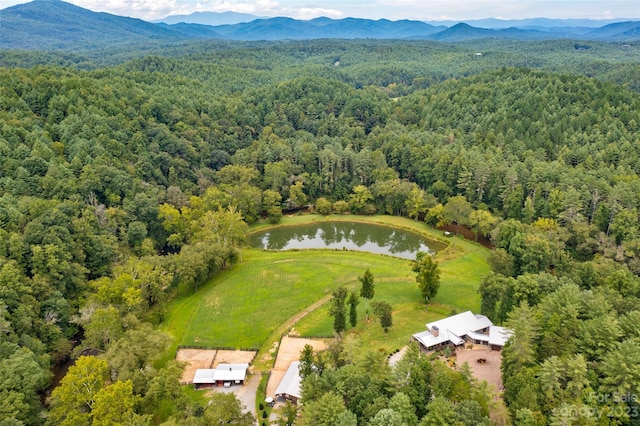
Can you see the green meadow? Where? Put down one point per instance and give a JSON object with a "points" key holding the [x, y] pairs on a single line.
{"points": [[247, 305]]}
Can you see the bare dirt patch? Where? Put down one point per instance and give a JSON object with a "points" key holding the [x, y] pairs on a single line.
{"points": [[488, 370], [233, 357], [290, 348], [195, 359]]}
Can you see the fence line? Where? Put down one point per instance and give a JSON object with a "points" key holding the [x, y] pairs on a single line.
{"points": [[218, 348], [313, 336]]}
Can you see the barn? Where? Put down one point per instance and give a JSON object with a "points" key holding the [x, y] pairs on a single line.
{"points": [[223, 375], [289, 387]]}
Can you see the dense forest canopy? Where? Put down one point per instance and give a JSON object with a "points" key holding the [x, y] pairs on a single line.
{"points": [[121, 183]]}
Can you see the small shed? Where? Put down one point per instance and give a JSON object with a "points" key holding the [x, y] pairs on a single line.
{"points": [[289, 387]]}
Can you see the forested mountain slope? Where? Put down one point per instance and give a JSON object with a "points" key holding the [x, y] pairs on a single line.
{"points": [[100, 170], [58, 25], [399, 67]]}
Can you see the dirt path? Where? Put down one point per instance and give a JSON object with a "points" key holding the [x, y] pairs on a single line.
{"points": [[265, 361], [286, 326]]}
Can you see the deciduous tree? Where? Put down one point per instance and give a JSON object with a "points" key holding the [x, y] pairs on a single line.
{"points": [[115, 404], [104, 327], [418, 202], [271, 204], [383, 311], [226, 408], [73, 400], [359, 198], [427, 275], [457, 210], [323, 206], [297, 197], [482, 222]]}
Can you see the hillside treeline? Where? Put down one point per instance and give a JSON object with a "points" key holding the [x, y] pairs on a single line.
{"points": [[121, 186]]}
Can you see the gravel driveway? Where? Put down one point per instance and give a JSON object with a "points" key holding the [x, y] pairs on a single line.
{"points": [[245, 393]]}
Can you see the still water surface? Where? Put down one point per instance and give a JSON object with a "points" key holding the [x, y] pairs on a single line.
{"points": [[345, 235]]}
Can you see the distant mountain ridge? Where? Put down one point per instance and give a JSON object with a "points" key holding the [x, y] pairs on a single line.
{"points": [[464, 32], [57, 25], [496, 23], [209, 18], [289, 28]]}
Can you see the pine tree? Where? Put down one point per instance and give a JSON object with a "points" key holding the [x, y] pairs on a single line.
{"points": [[338, 310], [367, 290], [353, 314]]}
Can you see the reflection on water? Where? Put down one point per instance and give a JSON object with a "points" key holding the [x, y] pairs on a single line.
{"points": [[345, 235]]}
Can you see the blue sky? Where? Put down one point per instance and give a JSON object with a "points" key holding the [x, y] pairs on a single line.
{"points": [[374, 9]]}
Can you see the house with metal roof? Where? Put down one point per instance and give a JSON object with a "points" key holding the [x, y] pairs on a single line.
{"points": [[459, 329], [289, 388], [498, 336], [222, 375]]}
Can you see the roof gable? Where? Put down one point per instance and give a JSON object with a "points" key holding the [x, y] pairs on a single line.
{"points": [[498, 336], [290, 384], [223, 372]]}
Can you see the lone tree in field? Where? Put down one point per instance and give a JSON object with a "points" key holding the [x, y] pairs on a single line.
{"points": [[427, 275], [383, 310], [338, 311], [367, 291], [353, 314]]}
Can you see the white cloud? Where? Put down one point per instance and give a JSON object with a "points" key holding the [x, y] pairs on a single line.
{"points": [[375, 9], [315, 12], [267, 8], [454, 9], [144, 9], [255, 7], [511, 9]]}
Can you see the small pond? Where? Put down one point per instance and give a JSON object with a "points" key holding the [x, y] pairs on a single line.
{"points": [[345, 235]]}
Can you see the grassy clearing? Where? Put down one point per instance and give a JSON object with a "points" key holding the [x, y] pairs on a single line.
{"points": [[242, 306], [460, 275], [246, 305]]}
